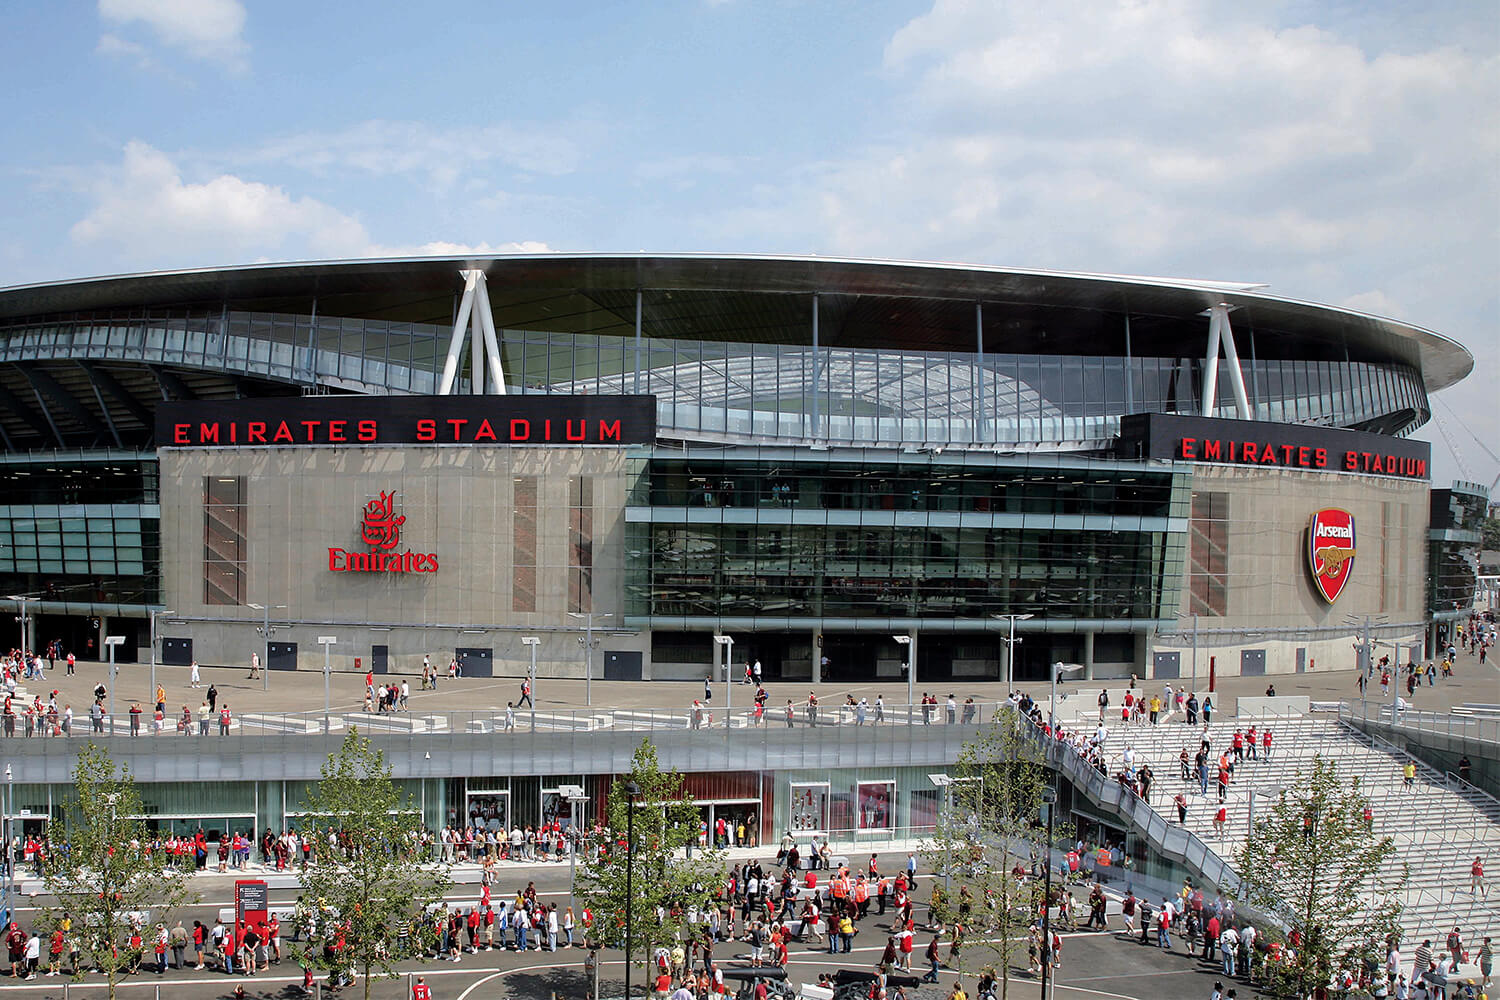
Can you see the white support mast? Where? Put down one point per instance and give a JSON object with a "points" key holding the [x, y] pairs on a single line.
{"points": [[476, 324], [1220, 335]]}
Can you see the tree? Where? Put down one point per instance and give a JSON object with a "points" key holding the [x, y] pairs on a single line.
{"points": [[1313, 862], [105, 874], [663, 878], [990, 808], [374, 888]]}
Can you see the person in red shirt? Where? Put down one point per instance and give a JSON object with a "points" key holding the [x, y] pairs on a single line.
{"points": [[420, 990], [1265, 744], [55, 967]]}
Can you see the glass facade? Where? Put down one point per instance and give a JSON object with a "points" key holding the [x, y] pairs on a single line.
{"points": [[770, 537], [88, 533], [1455, 539], [741, 390]]}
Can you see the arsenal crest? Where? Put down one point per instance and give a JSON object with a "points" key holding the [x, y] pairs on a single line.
{"points": [[1330, 551]]}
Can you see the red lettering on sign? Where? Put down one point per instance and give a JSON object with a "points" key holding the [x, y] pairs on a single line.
{"points": [[1320, 458], [283, 433], [1286, 453], [1351, 461], [546, 430], [1248, 452], [520, 430], [1302, 455], [335, 560], [1268, 454], [1213, 450], [367, 429], [255, 433], [485, 432], [609, 431], [1186, 449], [336, 431], [208, 433], [583, 430], [426, 430], [312, 426], [457, 423], [180, 433]]}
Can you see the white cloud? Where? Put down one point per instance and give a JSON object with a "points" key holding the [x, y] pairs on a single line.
{"points": [[144, 207], [442, 156], [205, 29]]}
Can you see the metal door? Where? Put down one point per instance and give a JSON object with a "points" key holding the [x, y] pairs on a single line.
{"points": [[625, 665], [476, 662], [380, 659], [1252, 662], [176, 652], [282, 655], [1166, 665]]}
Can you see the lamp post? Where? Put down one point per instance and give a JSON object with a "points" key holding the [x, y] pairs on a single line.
{"points": [[532, 641], [631, 791], [152, 636], [908, 643], [110, 642], [326, 641], [1052, 698], [727, 641], [265, 657], [1010, 648], [21, 602], [1049, 799], [10, 855], [588, 650]]}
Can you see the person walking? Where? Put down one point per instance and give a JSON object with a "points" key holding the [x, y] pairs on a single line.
{"points": [[1476, 878], [194, 680]]}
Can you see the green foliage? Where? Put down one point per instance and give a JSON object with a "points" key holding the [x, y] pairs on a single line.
{"points": [[991, 807], [107, 874], [371, 890], [1490, 530], [1311, 860], [662, 876]]}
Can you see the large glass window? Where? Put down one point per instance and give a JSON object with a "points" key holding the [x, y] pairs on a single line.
{"points": [[224, 547]]}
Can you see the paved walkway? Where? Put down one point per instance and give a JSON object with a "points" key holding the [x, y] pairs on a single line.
{"points": [[302, 691]]}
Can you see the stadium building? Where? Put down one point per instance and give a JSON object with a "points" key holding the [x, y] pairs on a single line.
{"points": [[807, 456]]}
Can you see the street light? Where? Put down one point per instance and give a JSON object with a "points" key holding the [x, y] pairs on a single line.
{"points": [[265, 663], [588, 651], [1049, 799], [152, 634], [532, 641], [110, 642], [727, 641], [909, 654], [1010, 649], [21, 602], [631, 791], [326, 641], [10, 855]]}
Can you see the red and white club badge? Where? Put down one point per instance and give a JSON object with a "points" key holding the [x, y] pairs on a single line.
{"points": [[1330, 551]]}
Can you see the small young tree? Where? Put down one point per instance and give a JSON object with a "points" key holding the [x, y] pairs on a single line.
{"points": [[107, 877], [374, 887], [991, 802], [665, 824], [1312, 860]]}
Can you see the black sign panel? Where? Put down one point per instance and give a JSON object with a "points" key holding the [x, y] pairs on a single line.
{"points": [[1271, 445], [374, 420], [250, 897]]}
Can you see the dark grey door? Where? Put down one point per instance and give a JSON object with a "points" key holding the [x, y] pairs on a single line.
{"points": [[1252, 662], [625, 665], [1301, 659], [282, 656], [380, 658], [476, 662], [1166, 665], [176, 652]]}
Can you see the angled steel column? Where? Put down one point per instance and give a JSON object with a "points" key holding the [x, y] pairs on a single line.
{"points": [[1236, 374], [456, 344], [979, 371], [486, 321], [1210, 393]]}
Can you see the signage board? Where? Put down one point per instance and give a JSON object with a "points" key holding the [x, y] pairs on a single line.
{"points": [[380, 536], [1265, 445], [251, 903], [336, 421]]}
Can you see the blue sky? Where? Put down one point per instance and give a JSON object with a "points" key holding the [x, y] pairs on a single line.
{"points": [[1342, 152]]}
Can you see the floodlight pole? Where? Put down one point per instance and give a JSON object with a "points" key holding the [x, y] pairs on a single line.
{"points": [[1010, 649], [532, 641], [21, 602], [727, 641], [631, 791], [588, 651], [1049, 799], [908, 643], [111, 641], [152, 636], [326, 641]]}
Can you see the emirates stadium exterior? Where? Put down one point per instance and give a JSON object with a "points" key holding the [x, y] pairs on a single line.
{"points": [[807, 456]]}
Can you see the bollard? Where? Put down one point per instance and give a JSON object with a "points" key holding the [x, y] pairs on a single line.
{"points": [[158, 991]]}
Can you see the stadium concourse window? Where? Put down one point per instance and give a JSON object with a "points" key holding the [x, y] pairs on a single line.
{"points": [[523, 544], [1208, 554], [581, 544], [224, 547]]}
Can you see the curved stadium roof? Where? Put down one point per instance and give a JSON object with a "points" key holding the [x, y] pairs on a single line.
{"points": [[865, 303]]}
